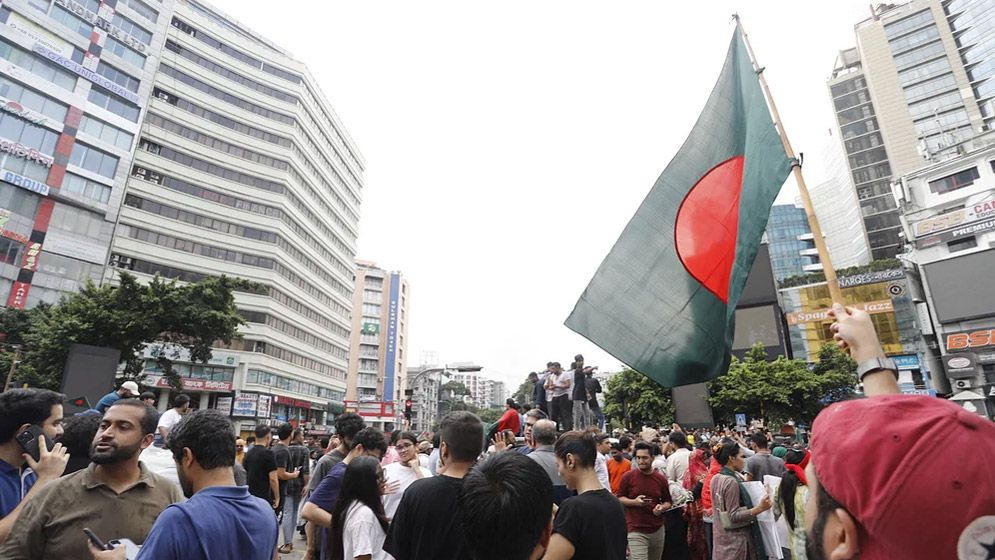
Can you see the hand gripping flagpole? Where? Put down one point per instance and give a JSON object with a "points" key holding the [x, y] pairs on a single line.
{"points": [[813, 222]]}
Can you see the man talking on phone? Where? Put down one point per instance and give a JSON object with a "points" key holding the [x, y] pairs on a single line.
{"points": [[25, 412], [116, 496]]}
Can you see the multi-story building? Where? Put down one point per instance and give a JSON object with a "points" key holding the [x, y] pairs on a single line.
{"points": [[244, 169], [836, 205], [792, 246], [377, 351], [75, 76], [918, 84], [949, 215], [484, 392]]}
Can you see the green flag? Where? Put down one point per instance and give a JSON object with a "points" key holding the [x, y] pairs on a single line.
{"points": [[663, 300]]}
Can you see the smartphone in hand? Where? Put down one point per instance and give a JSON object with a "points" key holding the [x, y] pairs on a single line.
{"points": [[28, 440], [96, 540]]}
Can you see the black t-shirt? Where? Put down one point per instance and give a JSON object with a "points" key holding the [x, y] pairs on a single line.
{"points": [[427, 525], [593, 387], [579, 388], [258, 463], [281, 454], [594, 522]]}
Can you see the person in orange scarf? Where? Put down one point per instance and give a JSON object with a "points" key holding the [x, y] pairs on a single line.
{"points": [[617, 466]]}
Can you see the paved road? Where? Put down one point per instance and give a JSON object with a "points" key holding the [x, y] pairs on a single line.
{"points": [[299, 547]]}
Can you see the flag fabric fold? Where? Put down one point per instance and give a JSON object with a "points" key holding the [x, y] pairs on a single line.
{"points": [[663, 301]]}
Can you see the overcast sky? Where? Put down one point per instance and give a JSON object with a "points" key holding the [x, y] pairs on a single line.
{"points": [[508, 143]]}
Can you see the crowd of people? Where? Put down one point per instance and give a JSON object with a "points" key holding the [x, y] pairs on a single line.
{"points": [[548, 483]]}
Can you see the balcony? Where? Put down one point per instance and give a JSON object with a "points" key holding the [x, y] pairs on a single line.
{"points": [[815, 267]]}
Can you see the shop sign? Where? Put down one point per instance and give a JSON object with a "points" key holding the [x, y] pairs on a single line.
{"points": [[22, 151], [371, 328], [102, 23], [287, 401], [223, 405], [370, 408], [958, 233], [18, 110], [180, 353], [30, 261], [245, 404], [25, 183], [970, 340], [907, 361], [18, 295], [819, 315], [978, 211], [264, 406], [961, 365], [86, 73], [35, 34], [319, 430], [871, 277], [191, 384]]}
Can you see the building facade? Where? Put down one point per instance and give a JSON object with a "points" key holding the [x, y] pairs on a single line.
{"points": [[484, 392], [918, 84], [836, 205], [792, 246], [242, 168], [949, 216], [75, 76], [378, 346]]}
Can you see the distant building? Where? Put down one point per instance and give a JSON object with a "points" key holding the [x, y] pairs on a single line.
{"points": [[836, 205], [792, 247]]}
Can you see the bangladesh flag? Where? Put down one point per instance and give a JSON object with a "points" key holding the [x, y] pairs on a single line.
{"points": [[663, 300]]}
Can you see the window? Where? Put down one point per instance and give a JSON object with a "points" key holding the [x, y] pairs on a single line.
{"points": [[120, 78], [954, 182], [942, 123], [220, 119], [907, 24], [921, 72], [94, 160], [215, 143], [935, 105], [33, 100], [37, 66], [86, 188], [230, 74], [16, 130], [913, 39], [929, 88], [224, 95], [76, 221], [101, 98], [106, 132], [132, 28], [142, 9], [963, 244], [921, 54], [125, 52], [848, 86], [75, 24]]}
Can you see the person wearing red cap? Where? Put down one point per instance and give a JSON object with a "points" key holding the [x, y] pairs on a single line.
{"points": [[790, 499], [897, 506]]}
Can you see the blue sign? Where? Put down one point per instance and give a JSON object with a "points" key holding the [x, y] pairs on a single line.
{"points": [[390, 359], [907, 361], [740, 419]]}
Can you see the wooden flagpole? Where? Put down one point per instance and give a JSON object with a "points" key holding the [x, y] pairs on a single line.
{"points": [[813, 222]]}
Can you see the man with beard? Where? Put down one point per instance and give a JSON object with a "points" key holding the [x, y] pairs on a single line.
{"points": [[896, 505], [220, 520], [116, 496]]}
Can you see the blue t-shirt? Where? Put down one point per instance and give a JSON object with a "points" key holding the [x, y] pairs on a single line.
{"points": [[13, 487], [217, 522], [106, 401], [324, 496]]}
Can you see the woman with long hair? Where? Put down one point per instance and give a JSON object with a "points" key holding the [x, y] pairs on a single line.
{"points": [[734, 520], [592, 523], [694, 479], [790, 498], [359, 525]]}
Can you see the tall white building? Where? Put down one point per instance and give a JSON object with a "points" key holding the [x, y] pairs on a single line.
{"points": [[837, 208], [244, 169]]}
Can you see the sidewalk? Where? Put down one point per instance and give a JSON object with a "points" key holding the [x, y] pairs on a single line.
{"points": [[300, 545]]}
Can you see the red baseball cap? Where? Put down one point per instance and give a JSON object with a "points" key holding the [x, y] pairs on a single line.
{"points": [[915, 472]]}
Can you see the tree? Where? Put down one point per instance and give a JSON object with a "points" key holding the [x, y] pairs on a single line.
{"points": [[781, 390], [128, 316], [523, 395], [454, 388], [636, 400], [488, 415]]}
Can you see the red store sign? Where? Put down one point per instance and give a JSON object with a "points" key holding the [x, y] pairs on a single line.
{"points": [[287, 401]]}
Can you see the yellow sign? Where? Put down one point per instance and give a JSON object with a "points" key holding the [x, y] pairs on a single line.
{"points": [[819, 315]]}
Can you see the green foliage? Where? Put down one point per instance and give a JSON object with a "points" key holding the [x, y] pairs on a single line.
{"points": [[814, 277], [488, 415], [781, 390], [126, 317], [635, 400], [454, 388], [523, 395]]}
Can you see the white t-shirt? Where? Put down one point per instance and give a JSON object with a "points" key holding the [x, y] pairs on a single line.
{"points": [[363, 534], [169, 419], [396, 472], [602, 471], [677, 464]]}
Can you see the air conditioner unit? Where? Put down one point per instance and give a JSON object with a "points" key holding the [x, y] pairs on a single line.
{"points": [[962, 383]]}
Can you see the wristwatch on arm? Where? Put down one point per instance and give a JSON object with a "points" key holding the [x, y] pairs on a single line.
{"points": [[876, 364]]}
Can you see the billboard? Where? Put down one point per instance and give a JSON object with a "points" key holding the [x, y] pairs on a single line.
{"points": [[692, 408], [760, 286], [390, 358], [90, 373], [961, 286]]}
